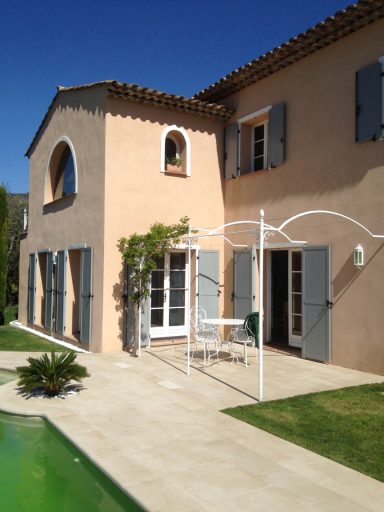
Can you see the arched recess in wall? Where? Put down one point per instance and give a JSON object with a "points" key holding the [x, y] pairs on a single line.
{"points": [[61, 174], [175, 151]]}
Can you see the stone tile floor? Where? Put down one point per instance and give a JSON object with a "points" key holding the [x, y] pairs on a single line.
{"points": [[160, 434]]}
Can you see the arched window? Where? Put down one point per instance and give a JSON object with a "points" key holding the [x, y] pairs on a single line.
{"points": [[61, 176], [175, 151]]}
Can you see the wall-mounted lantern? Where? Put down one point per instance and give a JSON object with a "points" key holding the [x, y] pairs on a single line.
{"points": [[358, 256]]}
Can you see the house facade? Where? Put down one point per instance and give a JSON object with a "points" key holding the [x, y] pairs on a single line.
{"points": [[298, 130]]}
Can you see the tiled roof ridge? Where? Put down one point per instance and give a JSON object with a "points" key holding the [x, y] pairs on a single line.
{"points": [[142, 94], [333, 28], [134, 92]]}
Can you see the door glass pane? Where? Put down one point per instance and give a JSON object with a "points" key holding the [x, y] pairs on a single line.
{"points": [[296, 282], [157, 317], [158, 279], [177, 279], [296, 325], [176, 316], [296, 261], [157, 298], [159, 262], [177, 298], [177, 261], [296, 304], [296, 295]]}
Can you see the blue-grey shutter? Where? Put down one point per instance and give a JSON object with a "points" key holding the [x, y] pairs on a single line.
{"points": [[31, 288], [368, 103], [48, 291], [242, 284], [60, 292], [316, 313], [231, 164], [208, 282], [130, 317], [276, 135], [85, 295]]}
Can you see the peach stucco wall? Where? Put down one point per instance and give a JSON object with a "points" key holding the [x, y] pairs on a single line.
{"points": [[138, 194], [326, 169], [76, 219]]}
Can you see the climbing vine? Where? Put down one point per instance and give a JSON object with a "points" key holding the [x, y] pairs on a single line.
{"points": [[140, 252]]}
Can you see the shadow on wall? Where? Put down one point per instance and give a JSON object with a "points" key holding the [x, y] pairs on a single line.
{"points": [[119, 294], [348, 275]]}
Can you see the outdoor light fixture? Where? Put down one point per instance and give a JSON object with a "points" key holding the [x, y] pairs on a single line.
{"points": [[358, 256]]}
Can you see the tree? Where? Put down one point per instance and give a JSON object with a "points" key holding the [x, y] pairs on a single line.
{"points": [[3, 249], [140, 252], [17, 203], [52, 375]]}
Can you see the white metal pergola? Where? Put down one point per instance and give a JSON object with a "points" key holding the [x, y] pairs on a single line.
{"points": [[262, 230]]}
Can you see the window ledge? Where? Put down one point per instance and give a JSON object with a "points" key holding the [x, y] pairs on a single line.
{"points": [[60, 199], [171, 172]]}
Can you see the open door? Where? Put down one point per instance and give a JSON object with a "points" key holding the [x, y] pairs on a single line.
{"points": [[316, 303]]}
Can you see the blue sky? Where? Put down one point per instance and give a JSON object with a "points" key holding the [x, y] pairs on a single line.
{"points": [[171, 45]]}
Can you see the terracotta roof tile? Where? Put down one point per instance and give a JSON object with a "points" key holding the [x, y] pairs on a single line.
{"points": [[133, 92], [326, 32]]}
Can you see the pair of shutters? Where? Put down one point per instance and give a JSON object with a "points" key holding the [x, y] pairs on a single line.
{"points": [[60, 290], [57, 287], [369, 103], [316, 290], [275, 141]]}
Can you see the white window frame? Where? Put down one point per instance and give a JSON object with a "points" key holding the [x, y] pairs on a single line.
{"points": [[265, 153], [184, 134], [253, 116], [293, 339], [67, 140]]}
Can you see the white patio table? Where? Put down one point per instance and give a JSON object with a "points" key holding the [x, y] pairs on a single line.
{"points": [[225, 322]]}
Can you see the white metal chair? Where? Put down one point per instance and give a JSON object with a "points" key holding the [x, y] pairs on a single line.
{"points": [[204, 335], [243, 336]]}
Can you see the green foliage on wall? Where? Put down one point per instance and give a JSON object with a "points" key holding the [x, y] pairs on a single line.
{"points": [[140, 252], [16, 205]]}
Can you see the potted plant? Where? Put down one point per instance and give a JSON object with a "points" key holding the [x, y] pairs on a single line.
{"points": [[174, 164]]}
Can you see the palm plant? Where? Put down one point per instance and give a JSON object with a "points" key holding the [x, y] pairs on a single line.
{"points": [[52, 375]]}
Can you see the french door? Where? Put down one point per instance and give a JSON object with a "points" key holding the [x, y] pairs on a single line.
{"points": [[169, 287]]}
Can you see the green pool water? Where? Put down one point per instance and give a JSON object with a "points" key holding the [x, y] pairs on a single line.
{"points": [[7, 376], [40, 470]]}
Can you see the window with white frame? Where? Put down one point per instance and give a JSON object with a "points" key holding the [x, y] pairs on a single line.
{"points": [[175, 151], [255, 142], [259, 146], [61, 175]]}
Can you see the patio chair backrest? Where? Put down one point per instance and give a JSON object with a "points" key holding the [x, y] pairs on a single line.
{"points": [[196, 316]]}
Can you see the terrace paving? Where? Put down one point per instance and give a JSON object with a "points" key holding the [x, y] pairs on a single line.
{"points": [[160, 433]]}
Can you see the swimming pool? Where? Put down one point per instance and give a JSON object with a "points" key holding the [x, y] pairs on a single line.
{"points": [[7, 376], [42, 471]]}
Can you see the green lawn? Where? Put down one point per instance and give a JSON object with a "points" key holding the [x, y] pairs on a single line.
{"points": [[13, 339], [346, 425]]}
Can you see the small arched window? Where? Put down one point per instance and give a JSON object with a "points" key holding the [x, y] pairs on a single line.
{"points": [[175, 152], [61, 176]]}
